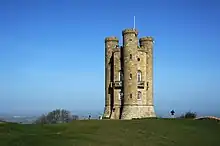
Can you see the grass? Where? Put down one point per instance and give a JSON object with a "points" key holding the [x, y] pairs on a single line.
{"points": [[149, 132]]}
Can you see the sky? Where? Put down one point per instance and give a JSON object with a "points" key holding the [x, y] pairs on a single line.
{"points": [[52, 53]]}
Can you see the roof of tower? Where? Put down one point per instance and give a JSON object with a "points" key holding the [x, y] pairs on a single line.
{"points": [[130, 30], [111, 38], [147, 38]]}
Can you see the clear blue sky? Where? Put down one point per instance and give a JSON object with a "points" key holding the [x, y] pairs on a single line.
{"points": [[52, 52]]}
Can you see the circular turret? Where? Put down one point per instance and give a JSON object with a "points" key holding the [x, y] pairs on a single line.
{"points": [[110, 44], [146, 40], [130, 44]]}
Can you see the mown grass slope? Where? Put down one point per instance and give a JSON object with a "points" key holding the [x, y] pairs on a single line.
{"points": [[149, 132]]}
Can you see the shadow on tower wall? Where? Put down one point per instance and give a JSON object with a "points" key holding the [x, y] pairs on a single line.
{"points": [[122, 88], [111, 80]]}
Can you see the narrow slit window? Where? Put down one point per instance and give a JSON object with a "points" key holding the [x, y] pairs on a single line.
{"points": [[120, 95], [130, 95], [130, 56], [139, 95], [139, 76], [120, 75], [130, 76]]}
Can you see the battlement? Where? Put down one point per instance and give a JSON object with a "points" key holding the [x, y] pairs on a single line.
{"points": [[130, 30], [112, 38], [147, 38]]}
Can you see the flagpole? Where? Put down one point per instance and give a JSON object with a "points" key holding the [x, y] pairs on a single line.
{"points": [[134, 22]]}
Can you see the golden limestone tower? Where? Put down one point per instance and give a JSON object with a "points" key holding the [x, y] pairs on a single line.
{"points": [[129, 77]]}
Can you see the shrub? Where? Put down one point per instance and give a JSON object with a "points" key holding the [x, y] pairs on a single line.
{"points": [[75, 117], [105, 118], [1, 120], [56, 116], [188, 115], [145, 118]]}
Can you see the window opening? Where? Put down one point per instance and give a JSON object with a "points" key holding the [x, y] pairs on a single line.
{"points": [[139, 95], [130, 76], [139, 76], [120, 95]]}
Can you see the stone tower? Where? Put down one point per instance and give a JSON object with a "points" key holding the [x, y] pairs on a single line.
{"points": [[129, 77]]}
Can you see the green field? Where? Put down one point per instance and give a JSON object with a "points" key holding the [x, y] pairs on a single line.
{"points": [[149, 132]]}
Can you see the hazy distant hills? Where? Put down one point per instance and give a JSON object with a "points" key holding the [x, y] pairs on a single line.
{"points": [[19, 119], [28, 119]]}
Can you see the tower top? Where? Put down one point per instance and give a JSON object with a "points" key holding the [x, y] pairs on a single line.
{"points": [[146, 38], [111, 38], [130, 30]]}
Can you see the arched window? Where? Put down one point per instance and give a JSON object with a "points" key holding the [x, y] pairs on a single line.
{"points": [[130, 76], [139, 95], [120, 75], [139, 76]]}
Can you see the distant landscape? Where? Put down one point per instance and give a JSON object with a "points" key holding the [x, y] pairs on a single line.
{"points": [[28, 118]]}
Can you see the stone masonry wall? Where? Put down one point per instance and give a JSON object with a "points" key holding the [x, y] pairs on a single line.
{"points": [[110, 44], [146, 43], [134, 58]]}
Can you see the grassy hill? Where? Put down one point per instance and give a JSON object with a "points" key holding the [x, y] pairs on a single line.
{"points": [[149, 132]]}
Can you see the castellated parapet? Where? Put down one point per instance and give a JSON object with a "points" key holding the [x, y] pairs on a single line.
{"points": [[129, 77]]}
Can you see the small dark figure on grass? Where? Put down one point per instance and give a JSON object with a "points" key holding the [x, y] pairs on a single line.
{"points": [[89, 117], [172, 112]]}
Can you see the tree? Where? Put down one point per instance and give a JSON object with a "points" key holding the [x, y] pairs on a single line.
{"points": [[75, 117], [55, 116], [189, 115], [42, 119], [2, 120]]}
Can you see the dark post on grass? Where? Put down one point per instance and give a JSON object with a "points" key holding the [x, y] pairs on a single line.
{"points": [[172, 112]]}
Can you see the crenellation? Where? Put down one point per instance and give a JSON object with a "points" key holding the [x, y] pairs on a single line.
{"points": [[130, 30], [112, 38], [146, 38]]}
